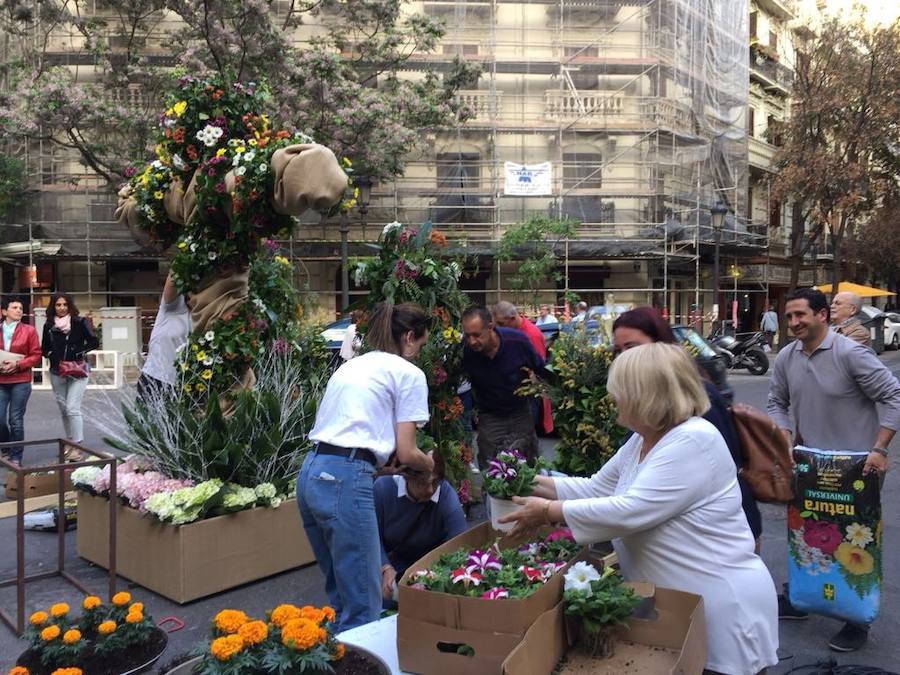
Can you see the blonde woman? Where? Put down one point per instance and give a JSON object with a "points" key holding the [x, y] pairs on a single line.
{"points": [[670, 502]]}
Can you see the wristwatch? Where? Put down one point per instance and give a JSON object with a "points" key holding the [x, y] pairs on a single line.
{"points": [[881, 451]]}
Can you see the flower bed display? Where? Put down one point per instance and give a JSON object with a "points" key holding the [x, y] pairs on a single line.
{"points": [[108, 639], [191, 561]]}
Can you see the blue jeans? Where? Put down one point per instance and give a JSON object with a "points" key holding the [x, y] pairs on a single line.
{"points": [[13, 399], [337, 505]]}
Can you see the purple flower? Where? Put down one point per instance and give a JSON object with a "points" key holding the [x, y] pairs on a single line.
{"points": [[561, 533], [130, 171], [280, 346], [511, 455], [497, 469], [532, 549], [481, 561], [220, 187]]}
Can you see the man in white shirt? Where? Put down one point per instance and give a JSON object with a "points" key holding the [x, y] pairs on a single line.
{"points": [[170, 331], [546, 316], [581, 309]]}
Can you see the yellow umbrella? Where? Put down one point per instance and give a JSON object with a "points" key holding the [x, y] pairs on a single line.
{"points": [[860, 290]]}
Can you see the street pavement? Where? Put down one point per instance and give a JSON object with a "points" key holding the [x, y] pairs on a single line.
{"points": [[802, 642]]}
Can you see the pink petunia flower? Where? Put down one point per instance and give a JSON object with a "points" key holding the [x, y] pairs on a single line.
{"points": [[465, 577], [495, 593], [482, 561]]}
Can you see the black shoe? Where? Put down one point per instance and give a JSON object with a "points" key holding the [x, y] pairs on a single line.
{"points": [[787, 611], [849, 638]]}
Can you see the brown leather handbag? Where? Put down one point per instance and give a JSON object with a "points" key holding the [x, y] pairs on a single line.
{"points": [[768, 465]]}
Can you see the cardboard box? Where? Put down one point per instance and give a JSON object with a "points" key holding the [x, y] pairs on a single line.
{"points": [[192, 561], [37, 484], [511, 617]]}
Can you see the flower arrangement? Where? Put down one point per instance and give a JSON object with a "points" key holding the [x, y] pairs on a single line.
{"points": [[105, 634], [495, 573], [291, 640], [413, 265], [509, 475], [601, 602]]}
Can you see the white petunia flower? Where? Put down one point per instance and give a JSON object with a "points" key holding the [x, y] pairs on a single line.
{"points": [[580, 576], [210, 335], [240, 171], [211, 255], [178, 162], [390, 226]]}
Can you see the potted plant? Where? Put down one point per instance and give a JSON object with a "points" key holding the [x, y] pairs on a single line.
{"points": [[108, 639], [508, 475], [600, 603], [291, 640]]}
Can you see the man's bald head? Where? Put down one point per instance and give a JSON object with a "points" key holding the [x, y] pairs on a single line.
{"points": [[845, 305], [505, 314]]}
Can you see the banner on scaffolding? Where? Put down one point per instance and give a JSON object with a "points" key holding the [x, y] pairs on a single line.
{"points": [[527, 180]]}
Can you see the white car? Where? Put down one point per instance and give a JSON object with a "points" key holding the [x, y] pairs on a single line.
{"points": [[892, 331]]}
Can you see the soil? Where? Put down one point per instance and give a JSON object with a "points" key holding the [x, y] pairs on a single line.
{"points": [[357, 663], [114, 664], [628, 659]]}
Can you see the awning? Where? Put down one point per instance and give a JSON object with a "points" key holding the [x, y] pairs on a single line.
{"points": [[860, 290]]}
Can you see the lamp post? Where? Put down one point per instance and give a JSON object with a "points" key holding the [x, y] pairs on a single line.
{"points": [[364, 183], [717, 220]]}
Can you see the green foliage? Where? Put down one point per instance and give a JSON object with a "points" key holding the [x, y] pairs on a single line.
{"points": [[12, 184], [607, 603], [509, 475]]}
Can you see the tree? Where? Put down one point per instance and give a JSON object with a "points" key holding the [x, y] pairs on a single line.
{"points": [[839, 160], [877, 246], [343, 87]]}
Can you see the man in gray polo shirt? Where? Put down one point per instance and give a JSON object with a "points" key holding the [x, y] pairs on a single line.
{"points": [[826, 387]]}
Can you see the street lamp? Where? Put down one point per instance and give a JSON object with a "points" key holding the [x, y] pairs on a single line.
{"points": [[364, 183], [717, 219]]}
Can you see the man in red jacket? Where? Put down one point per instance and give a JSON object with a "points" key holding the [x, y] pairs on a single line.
{"points": [[21, 351]]}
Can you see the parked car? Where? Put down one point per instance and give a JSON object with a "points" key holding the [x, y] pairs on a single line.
{"points": [[892, 331], [875, 320]]}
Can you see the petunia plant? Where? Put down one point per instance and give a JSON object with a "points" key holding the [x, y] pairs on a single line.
{"points": [[509, 475]]}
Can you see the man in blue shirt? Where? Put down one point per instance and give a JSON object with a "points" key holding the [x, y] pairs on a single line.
{"points": [[496, 362]]}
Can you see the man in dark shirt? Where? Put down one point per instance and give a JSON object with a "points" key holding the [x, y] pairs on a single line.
{"points": [[496, 361]]}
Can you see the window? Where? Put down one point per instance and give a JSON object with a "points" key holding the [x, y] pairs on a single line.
{"points": [[751, 122], [750, 203], [773, 130], [773, 40], [458, 174], [582, 78], [775, 214], [582, 170], [753, 17], [461, 49]]}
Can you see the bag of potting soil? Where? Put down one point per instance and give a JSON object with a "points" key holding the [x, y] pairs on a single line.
{"points": [[834, 536]]}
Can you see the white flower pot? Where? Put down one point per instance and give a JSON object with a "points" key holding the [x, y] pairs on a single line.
{"points": [[500, 507]]}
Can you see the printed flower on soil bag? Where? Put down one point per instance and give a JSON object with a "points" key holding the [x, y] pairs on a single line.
{"points": [[795, 520], [821, 535], [859, 535], [854, 559]]}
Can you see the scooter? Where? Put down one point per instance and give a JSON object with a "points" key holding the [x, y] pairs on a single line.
{"points": [[748, 353]]}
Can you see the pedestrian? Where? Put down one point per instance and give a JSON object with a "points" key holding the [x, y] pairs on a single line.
{"points": [[670, 503], [496, 361], [371, 407], [21, 353], [845, 319], [351, 343], [581, 312], [643, 325], [546, 316], [417, 512], [170, 331], [67, 338], [769, 325], [832, 393]]}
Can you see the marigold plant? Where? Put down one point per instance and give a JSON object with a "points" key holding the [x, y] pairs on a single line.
{"points": [[67, 671], [71, 636], [91, 602], [301, 633], [106, 627], [224, 648], [38, 618], [253, 632], [230, 620], [59, 609], [18, 670], [284, 613], [121, 598], [50, 633]]}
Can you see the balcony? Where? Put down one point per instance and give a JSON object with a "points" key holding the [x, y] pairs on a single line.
{"points": [[761, 154], [613, 109], [482, 105], [781, 9], [773, 75]]}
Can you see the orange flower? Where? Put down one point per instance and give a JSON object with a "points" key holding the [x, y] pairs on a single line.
{"points": [[67, 671], [329, 613], [253, 632], [38, 618], [284, 613], [134, 617], [91, 602], [18, 670], [312, 613], [301, 634], [224, 648], [50, 633], [438, 238], [106, 627], [339, 651], [71, 636], [121, 598], [136, 607], [229, 620], [59, 609]]}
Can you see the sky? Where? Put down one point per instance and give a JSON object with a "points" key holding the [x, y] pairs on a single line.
{"points": [[878, 11]]}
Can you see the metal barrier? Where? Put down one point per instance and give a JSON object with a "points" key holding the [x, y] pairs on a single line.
{"points": [[105, 371]]}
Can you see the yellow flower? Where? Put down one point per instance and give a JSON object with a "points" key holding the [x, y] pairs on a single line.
{"points": [[201, 355], [220, 152], [179, 108], [38, 618], [50, 633], [194, 347], [253, 632], [240, 150], [158, 176], [121, 598], [91, 602], [134, 617], [182, 245], [145, 179], [187, 388], [206, 374], [451, 334], [347, 161], [18, 670], [229, 620], [71, 636], [281, 260], [200, 387], [224, 648], [854, 559], [59, 609], [252, 141], [158, 194], [106, 627]]}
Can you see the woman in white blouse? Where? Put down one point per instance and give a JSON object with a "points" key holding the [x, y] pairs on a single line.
{"points": [[670, 502]]}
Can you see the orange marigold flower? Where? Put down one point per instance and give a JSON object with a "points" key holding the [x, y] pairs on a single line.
{"points": [[284, 613], [91, 602], [312, 613], [121, 598], [229, 620], [67, 671], [134, 617], [339, 651], [301, 634], [71, 636], [106, 627], [253, 632], [59, 609], [329, 613], [136, 607], [224, 648], [38, 618], [50, 633], [18, 670]]}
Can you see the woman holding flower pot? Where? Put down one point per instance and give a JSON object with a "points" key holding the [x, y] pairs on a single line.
{"points": [[371, 408], [67, 338], [670, 502]]}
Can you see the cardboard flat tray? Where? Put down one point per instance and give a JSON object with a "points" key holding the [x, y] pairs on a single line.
{"points": [[192, 561], [37, 484]]}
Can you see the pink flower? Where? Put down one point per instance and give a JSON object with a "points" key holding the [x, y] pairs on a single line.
{"points": [[533, 574], [495, 593], [561, 533], [465, 577], [482, 561], [821, 535], [440, 376], [463, 492]]}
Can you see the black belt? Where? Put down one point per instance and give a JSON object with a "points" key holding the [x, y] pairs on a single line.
{"points": [[352, 453]]}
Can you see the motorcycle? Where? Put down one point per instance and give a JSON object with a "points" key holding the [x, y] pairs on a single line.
{"points": [[747, 353]]}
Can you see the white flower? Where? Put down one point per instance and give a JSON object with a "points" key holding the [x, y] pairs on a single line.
{"points": [[263, 168], [210, 335], [249, 155], [178, 162], [156, 164], [275, 502], [193, 247], [86, 475], [266, 491], [240, 171], [390, 226], [211, 255], [859, 535], [209, 135], [208, 361], [580, 576], [303, 138], [259, 303], [456, 270]]}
